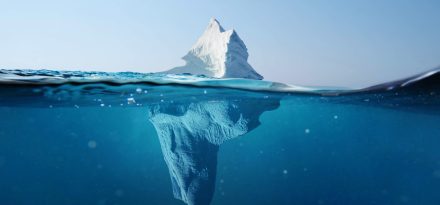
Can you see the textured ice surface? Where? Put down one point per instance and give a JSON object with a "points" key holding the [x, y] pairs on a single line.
{"points": [[190, 135], [218, 53]]}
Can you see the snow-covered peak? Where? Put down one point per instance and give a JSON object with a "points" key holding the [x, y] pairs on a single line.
{"points": [[218, 53], [214, 25]]}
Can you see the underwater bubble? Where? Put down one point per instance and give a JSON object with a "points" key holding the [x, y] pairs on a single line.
{"points": [[437, 173], [205, 91], [76, 106], [37, 90], [335, 117], [102, 104], [92, 144], [285, 171], [131, 101], [139, 90], [102, 202], [307, 131], [119, 192], [404, 199]]}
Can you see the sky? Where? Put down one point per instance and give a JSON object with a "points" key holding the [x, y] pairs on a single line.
{"points": [[318, 43]]}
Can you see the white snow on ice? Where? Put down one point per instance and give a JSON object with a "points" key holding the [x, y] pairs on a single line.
{"points": [[218, 53]]}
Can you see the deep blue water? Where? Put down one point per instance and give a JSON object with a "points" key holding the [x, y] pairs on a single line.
{"points": [[76, 144]]}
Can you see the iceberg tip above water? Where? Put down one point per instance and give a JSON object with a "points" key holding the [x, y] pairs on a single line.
{"points": [[218, 53]]}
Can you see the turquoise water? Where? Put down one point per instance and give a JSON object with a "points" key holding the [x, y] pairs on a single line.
{"points": [[98, 142]]}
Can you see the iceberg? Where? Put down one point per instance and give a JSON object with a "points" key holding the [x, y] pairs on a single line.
{"points": [[190, 134], [218, 53]]}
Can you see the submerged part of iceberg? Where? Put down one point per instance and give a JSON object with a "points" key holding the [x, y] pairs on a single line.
{"points": [[190, 135], [218, 53]]}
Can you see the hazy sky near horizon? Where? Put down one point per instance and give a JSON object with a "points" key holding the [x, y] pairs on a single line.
{"points": [[334, 43]]}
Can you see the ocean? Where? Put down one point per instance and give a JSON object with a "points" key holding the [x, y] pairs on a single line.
{"points": [[128, 138]]}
